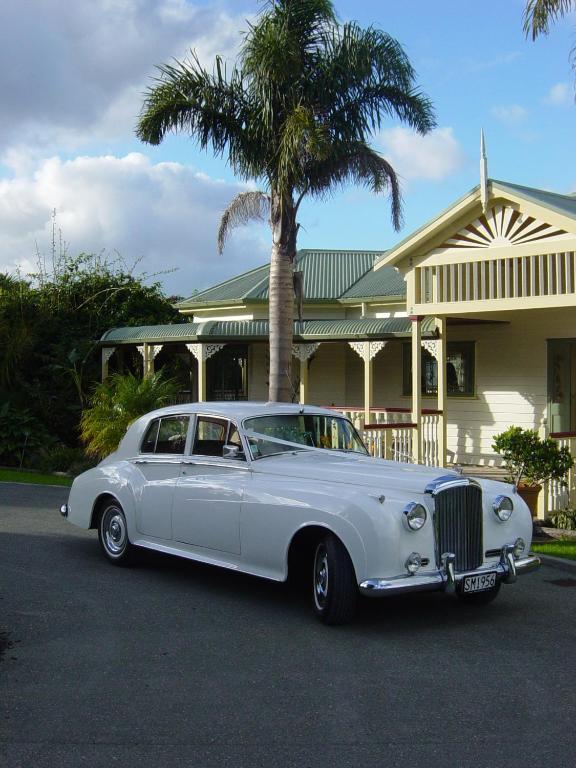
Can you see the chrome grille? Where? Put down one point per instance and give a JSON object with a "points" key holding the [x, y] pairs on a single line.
{"points": [[458, 522]]}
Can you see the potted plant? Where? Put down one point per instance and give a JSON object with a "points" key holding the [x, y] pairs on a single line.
{"points": [[531, 461]]}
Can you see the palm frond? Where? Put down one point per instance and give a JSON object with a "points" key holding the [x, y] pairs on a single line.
{"points": [[360, 164], [539, 14], [243, 208]]}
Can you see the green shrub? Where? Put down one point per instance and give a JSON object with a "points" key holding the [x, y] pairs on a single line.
{"points": [[61, 458], [116, 403], [530, 459], [23, 438], [565, 520]]}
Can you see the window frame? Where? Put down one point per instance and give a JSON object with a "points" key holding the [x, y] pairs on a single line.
{"points": [[453, 347], [159, 419], [230, 426]]}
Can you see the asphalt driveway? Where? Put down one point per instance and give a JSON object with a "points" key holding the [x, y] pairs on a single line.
{"points": [[177, 664]]}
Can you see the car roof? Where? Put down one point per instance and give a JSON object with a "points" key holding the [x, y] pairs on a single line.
{"points": [[239, 409], [233, 409]]}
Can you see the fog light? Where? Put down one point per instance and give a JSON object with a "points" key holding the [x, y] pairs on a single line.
{"points": [[413, 562], [519, 548], [64, 510]]}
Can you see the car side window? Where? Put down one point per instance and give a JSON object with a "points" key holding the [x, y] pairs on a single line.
{"points": [[166, 435], [210, 436]]}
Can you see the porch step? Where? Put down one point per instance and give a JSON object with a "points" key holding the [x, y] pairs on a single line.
{"points": [[476, 470]]}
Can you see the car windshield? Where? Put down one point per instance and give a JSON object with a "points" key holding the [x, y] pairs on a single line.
{"points": [[270, 435]]}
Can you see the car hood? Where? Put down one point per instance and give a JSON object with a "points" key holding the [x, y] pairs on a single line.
{"points": [[351, 469]]}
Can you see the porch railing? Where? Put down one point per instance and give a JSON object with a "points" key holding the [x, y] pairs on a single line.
{"points": [[389, 435], [562, 494]]}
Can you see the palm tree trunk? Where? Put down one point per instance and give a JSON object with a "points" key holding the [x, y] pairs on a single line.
{"points": [[281, 300]]}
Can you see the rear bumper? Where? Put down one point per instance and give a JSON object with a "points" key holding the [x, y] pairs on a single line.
{"points": [[445, 578]]}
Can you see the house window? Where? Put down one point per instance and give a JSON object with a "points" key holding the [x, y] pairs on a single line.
{"points": [[460, 370], [227, 373]]}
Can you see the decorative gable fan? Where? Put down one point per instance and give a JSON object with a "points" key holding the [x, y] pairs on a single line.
{"points": [[502, 225]]}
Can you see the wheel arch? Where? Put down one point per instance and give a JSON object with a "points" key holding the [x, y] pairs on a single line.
{"points": [[99, 502], [303, 544]]}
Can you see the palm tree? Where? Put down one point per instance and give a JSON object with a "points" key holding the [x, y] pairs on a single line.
{"points": [[295, 113], [538, 15], [116, 403]]}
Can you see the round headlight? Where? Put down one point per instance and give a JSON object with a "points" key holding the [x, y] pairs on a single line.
{"points": [[503, 508], [414, 516]]}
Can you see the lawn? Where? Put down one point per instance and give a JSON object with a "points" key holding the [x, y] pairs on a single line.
{"points": [[38, 478], [560, 548]]}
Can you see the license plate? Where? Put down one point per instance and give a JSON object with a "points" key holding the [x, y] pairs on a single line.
{"points": [[479, 582]]}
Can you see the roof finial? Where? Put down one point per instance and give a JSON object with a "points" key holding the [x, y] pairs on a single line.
{"points": [[483, 173]]}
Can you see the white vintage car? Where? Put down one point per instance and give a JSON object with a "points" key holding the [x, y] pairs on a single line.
{"points": [[288, 490]]}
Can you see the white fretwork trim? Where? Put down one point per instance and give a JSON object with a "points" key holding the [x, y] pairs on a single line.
{"points": [[153, 349], [141, 350], [431, 346], [107, 353], [304, 351], [203, 351], [359, 347], [375, 347], [371, 348]]}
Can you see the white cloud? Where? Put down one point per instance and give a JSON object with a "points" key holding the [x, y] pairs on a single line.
{"points": [[512, 113], [434, 156], [164, 212], [74, 72], [560, 95]]}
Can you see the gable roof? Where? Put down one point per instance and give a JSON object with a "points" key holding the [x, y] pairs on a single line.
{"points": [[328, 276], [559, 204]]}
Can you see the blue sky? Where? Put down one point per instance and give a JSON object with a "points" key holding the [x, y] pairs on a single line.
{"points": [[71, 87]]}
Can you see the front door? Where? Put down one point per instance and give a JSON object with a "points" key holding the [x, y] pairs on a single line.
{"points": [[210, 490]]}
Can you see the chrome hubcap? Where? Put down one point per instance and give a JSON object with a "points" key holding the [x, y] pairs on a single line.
{"points": [[114, 530], [321, 577]]}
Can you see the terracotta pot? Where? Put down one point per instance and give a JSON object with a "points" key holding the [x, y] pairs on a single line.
{"points": [[530, 495]]}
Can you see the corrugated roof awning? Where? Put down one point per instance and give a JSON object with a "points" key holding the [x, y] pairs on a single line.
{"points": [[258, 330]]}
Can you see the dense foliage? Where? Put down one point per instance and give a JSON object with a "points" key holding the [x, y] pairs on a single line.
{"points": [[50, 325]]}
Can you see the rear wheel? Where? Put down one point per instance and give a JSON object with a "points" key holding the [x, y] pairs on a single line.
{"points": [[113, 535], [334, 589]]}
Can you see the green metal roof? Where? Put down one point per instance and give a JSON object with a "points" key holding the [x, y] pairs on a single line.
{"points": [[236, 289], [258, 330], [385, 282], [328, 276]]}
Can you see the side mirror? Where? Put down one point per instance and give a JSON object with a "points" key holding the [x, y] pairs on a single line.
{"points": [[233, 452]]}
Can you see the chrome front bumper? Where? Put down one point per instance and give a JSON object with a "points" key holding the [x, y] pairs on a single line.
{"points": [[445, 578]]}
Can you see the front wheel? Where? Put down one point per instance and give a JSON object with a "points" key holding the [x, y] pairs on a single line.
{"points": [[335, 593], [113, 535]]}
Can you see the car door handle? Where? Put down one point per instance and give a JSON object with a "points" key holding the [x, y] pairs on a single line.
{"points": [[141, 461], [189, 463]]}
